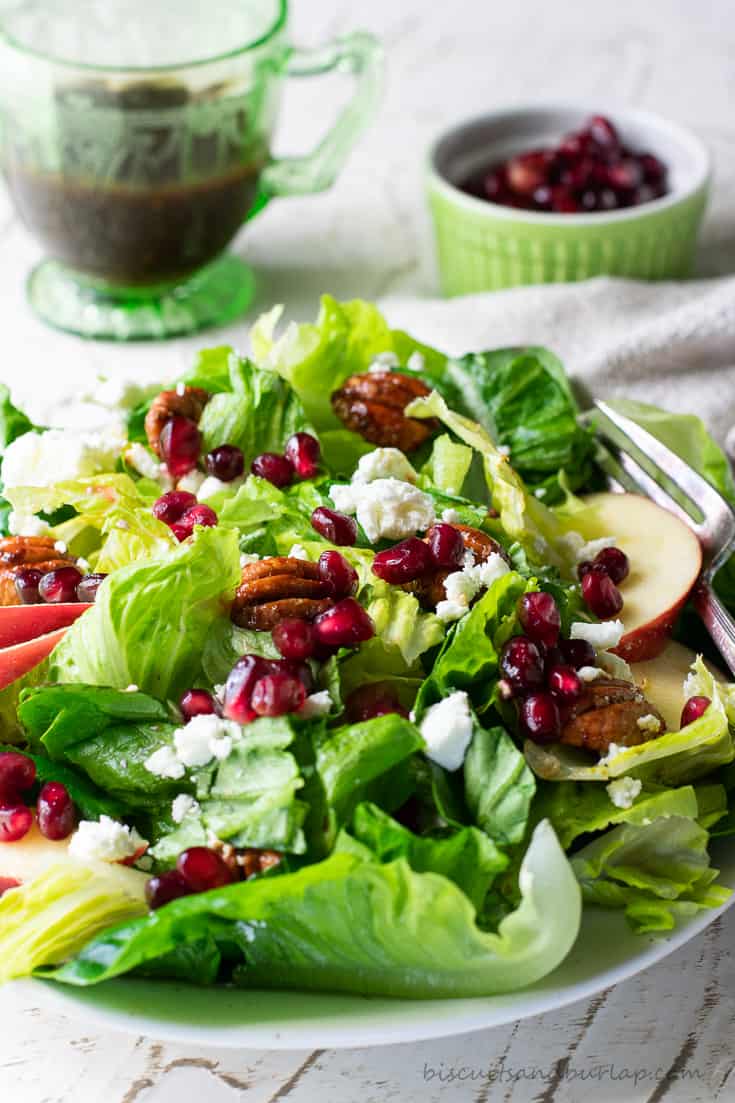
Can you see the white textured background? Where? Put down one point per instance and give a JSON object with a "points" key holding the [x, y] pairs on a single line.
{"points": [[667, 1034]]}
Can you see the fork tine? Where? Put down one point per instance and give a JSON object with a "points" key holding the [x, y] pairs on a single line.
{"points": [[664, 462], [654, 491]]}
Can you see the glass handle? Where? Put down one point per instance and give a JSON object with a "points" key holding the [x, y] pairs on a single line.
{"points": [[359, 54]]}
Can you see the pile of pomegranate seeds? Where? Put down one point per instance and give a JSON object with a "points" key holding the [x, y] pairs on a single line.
{"points": [[539, 669], [600, 580], [55, 810], [65, 584], [300, 460], [181, 512], [589, 171]]}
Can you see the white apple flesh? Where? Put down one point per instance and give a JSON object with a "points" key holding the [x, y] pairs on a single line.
{"points": [[665, 560], [662, 680]]}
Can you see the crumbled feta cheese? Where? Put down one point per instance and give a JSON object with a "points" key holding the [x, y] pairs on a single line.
{"points": [[602, 636], [614, 665], [623, 791], [447, 730], [613, 751], [144, 462], [60, 547], [316, 704], [462, 587], [248, 557], [692, 686], [212, 485], [449, 611], [298, 551], [540, 492], [105, 840], [649, 723], [165, 763], [124, 525], [60, 455], [594, 547], [416, 362], [115, 394], [468, 559], [384, 463], [181, 389], [132, 688], [204, 738], [384, 361], [387, 509], [183, 806], [26, 524], [191, 482], [571, 544], [452, 517], [504, 450], [83, 564], [590, 673]]}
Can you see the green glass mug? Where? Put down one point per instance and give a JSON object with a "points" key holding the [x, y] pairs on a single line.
{"points": [[135, 142]]}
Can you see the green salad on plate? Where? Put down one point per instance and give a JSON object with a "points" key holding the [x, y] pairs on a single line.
{"points": [[337, 667]]}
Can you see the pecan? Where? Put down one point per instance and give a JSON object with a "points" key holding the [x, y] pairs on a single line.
{"points": [[189, 403], [17, 553], [372, 405], [429, 589], [608, 712], [273, 589], [253, 861]]}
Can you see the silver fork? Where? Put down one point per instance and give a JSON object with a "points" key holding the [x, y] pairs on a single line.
{"points": [[634, 460]]}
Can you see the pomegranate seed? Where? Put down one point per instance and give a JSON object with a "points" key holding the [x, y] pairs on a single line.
{"points": [[26, 586], [277, 694], [17, 774], [539, 718], [16, 821], [446, 545], [335, 527], [345, 625], [197, 702], [522, 665], [303, 452], [613, 562], [197, 515], [273, 467], [693, 709], [376, 699], [653, 170], [173, 505], [60, 585], [602, 131], [225, 463], [564, 682], [180, 443], [341, 575], [540, 618], [403, 562], [600, 594], [578, 653], [239, 687], [584, 568], [563, 202], [296, 668], [294, 638], [528, 171], [88, 587], [57, 816], [165, 887], [203, 869]]}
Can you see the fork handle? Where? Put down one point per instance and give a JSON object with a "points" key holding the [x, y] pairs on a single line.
{"points": [[717, 621]]}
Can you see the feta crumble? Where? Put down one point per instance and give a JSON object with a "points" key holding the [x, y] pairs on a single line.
{"points": [[462, 587], [416, 362], [590, 673], [212, 485], [144, 462], [298, 551], [451, 517], [191, 482], [60, 547], [183, 806], [447, 730], [602, 636], [384, 361], [204, 738], [26, 524], [105, 840], [132, 688], [248, 557], [623, 791], [165, 763], [594, 547], [649, 723], [384, 463], [387, 509], [61, 455], [316, 704]]}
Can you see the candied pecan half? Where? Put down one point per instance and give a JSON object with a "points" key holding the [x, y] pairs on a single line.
{"points": [[273, 589], [190, 403], [372, 405], [17, 553], [253, 861], [608, 712], [429, 589]]}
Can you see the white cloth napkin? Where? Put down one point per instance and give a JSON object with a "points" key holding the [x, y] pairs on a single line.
{"points": [[671, 344]]}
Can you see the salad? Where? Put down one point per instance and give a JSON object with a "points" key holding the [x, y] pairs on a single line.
{"points": [[336, 667]]}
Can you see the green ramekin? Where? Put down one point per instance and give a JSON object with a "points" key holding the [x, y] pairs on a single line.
{"points": [[482, 246]]}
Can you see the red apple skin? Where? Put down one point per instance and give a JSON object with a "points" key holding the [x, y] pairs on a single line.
{"points": [[18, 660], [649, 640], [20, 623]]}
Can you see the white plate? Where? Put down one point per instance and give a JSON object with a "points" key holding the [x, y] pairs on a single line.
{"points": [[606, 952]]}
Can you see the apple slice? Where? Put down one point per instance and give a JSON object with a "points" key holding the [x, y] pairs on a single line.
{"points": [[18, 660], [665, 561], [662, 680], [30, 856], [19, 623]]}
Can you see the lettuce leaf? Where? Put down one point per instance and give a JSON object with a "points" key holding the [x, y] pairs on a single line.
{"points": [[498, 785], [401, 623], [91, 801], [151, 620], [57, 717], [352, 924]]}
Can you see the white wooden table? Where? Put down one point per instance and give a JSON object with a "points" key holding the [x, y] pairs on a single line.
{"points": [[668, 1033]]}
